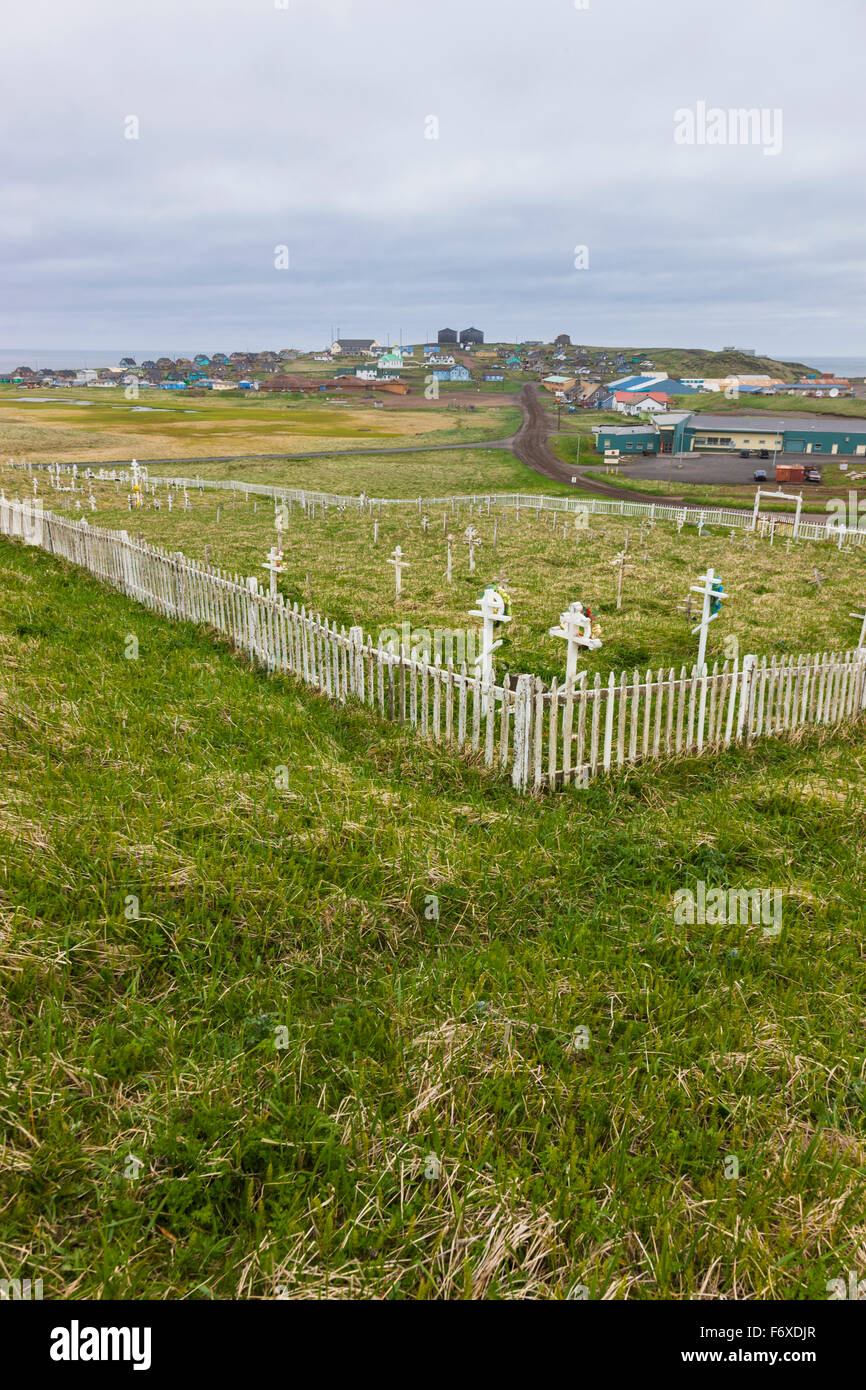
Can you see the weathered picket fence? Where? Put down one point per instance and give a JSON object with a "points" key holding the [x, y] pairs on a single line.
{"points": [[545, 738], [783, 525]]}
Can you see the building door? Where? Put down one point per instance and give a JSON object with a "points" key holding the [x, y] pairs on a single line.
{"points": [[795, 446]]}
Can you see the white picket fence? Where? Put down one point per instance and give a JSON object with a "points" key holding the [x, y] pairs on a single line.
{"points": [[781, 524], [777, 524], [544, 738]]}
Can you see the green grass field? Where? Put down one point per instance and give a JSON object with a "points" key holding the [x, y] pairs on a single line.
{"points": [[298, 1006], [424, 474], [92, 425]]}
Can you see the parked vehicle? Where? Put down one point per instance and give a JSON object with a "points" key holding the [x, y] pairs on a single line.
{"points": [[764, 454], [812, 475], [760, 475], [745, 453]]}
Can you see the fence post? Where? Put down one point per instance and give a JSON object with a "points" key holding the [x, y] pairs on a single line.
{"points": [[252, 614], [522, 733], [356, 642], [747, 678], [126, 563]]}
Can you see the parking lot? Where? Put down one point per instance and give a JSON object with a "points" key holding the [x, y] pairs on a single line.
{"points": [[705, 468]]}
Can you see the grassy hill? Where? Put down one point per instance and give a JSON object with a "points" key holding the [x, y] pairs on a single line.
{"points": [[297, 1006], [689, 362]]}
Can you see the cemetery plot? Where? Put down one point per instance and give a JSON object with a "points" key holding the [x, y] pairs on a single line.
{"points": [[341, 562]]}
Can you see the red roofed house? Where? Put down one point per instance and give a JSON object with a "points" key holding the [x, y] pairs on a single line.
{"points": [[640, 402]]}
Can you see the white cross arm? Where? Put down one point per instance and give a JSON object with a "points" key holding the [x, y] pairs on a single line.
{"points": [[711, 619], [494, 646]]}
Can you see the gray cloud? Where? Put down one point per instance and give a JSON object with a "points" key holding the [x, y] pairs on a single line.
{"points": [[305, 126]]}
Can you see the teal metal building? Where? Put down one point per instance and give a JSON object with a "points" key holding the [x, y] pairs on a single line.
{"points": [[629, 439]]}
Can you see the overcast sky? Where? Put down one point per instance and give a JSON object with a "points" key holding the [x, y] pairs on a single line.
{"points": [[306, 127]]}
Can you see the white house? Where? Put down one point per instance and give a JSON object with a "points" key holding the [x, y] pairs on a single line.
{"points": [[393, 359]]}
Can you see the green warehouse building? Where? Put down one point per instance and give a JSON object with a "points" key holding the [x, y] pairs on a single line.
{"points": [[687, 431]]}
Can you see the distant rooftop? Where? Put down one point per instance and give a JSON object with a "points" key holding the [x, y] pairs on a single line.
{"points": [[770, 423]]}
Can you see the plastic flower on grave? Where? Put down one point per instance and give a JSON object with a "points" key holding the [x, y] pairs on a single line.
{"points": [[503, 594], [718, 594]]}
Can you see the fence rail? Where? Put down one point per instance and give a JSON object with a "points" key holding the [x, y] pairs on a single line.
{"points": [[542, 737]]}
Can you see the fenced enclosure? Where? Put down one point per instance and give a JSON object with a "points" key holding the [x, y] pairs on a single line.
{"points": [[542, 737]]}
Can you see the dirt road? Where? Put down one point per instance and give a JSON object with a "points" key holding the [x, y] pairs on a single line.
{"points": [[530, 446]]}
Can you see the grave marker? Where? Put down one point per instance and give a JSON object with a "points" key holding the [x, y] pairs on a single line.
{"points": [[712, 590], [575, 626], [399, 565], [493, 611], [620, 560], [472, 539]]}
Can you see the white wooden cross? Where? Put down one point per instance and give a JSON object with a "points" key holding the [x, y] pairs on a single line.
{"points": [[575, 626], [399, 565], [787, 497], [186, 501], [425, 523], [92, 502], [711, 589], [472, 539], [623, 566], [450, 559], [862, 641], [136, 484], [274, 564], [491, 611]]}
